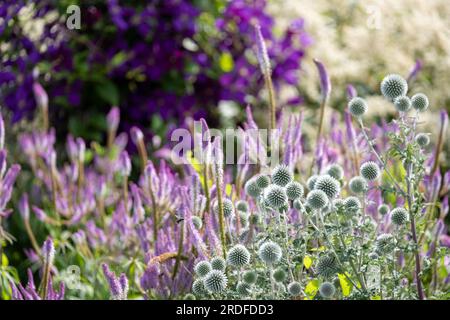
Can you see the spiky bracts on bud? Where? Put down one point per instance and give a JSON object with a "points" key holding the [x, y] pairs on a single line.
{"points": [[294, 190], [399, 216], [275, 196], [385, 243], [335, 171], [311, 182], [242, 205], [216, 281], [294, 288], [218, 263], [327, 266], [262, 181], [383, 209], [250, 276], [252, 189], [189, 296], [243, 289], [358, 185], [238, 256], [281, 175], [329, 185], [393, 86], [369, 171], [279, 275], [270, 252], [202, 268], [317, 199], [352, 205], [420, 102], [357, 107], [402, 103], [422, 139], [228, 208], [198, 287], [327, 290]]}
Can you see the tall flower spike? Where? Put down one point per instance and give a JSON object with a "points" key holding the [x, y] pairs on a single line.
{"points": [[41, 98], [2, 132], [261, 53], [218, 173]]}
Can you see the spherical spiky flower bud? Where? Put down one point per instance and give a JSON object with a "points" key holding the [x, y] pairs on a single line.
{"points": [[402, 103], [270, 252], [352, 205], [385, 243], [338, 203], [327, 266], [357, 107], [369, 170], [189, 296], [335, 171], [243, 289], [216, 281], [294, 288], [279, 275], [243, 219], [383, 209], [238, 256], [198, 287], [420, 102], [327, 290], [255, 218], [399, 216], [311, 182], [197, 221], [294, 190], [218, 263], [252, 189], [249, 277], [281, 175], [393, 86], [358, 185], [317, 199], [228, 208], [275, 196], [202, 268], [242, 205], [329, 185], [262, 181], [422, 139]]}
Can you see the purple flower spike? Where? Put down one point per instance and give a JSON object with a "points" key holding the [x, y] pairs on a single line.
{"points": [[136, 135], [415, 70], [48, 250], [40, 95], [325, 83], [261, 52], [113, 118], [24, 207], [351, 92]]}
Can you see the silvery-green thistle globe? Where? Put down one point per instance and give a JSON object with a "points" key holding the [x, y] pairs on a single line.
{"points": [[399, 216], [357, 107], [238, 256], [327, 266], [352, 205], [275, 196], [385, 243], [294, 190], [420, 102], [198, 287], [202, 268], [369, 171], [270, 252], [243, 289], [228, 208], [393, 86], [422, 140], [250, 276], [281, 175], [317, 199], [402, 103], [294, 288], [242, 205], [311, 182], [327, 290], [215, 281], [358, 185], [262, 181], [189, 296], [252, 189], [218, 263], [383, 209], [335, 171], [279, 275], [329, 185]]}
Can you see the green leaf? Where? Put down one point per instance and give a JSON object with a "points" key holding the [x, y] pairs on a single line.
{"points": [[307, 262], [226, 62], [311, 288], [107, 90], [345, 284], [5, 261]]}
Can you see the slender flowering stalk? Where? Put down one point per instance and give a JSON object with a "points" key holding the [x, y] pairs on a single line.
{"points": [[218, 173]]}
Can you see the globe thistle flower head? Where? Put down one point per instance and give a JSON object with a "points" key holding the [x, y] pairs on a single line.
{"points": [[255, 218], [202, 268], [216, 281], [352, 205], [311, 182], [279, 275], [384, 244], [338, 203], [275, 196], [422, 139], [329, 185], [242, 205], [189, 296], [327, 290], [270, 252], [294, 190], [402, 103], [262, 181], [383, 209], [327, 266], [243, 219], [238, 256], [369, 171], [358, 185], [249, 277], [243, 289], [399, 216], [317, 199], [197, 221], [420, 102], [294, 288], [198, 287], [252, 189], [218, 263], [357, 107], [393, 86], [335, 171], [228, 208], [281, 175]]}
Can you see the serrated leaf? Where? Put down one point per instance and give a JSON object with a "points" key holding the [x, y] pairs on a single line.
{"points": [[345, 285]]}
